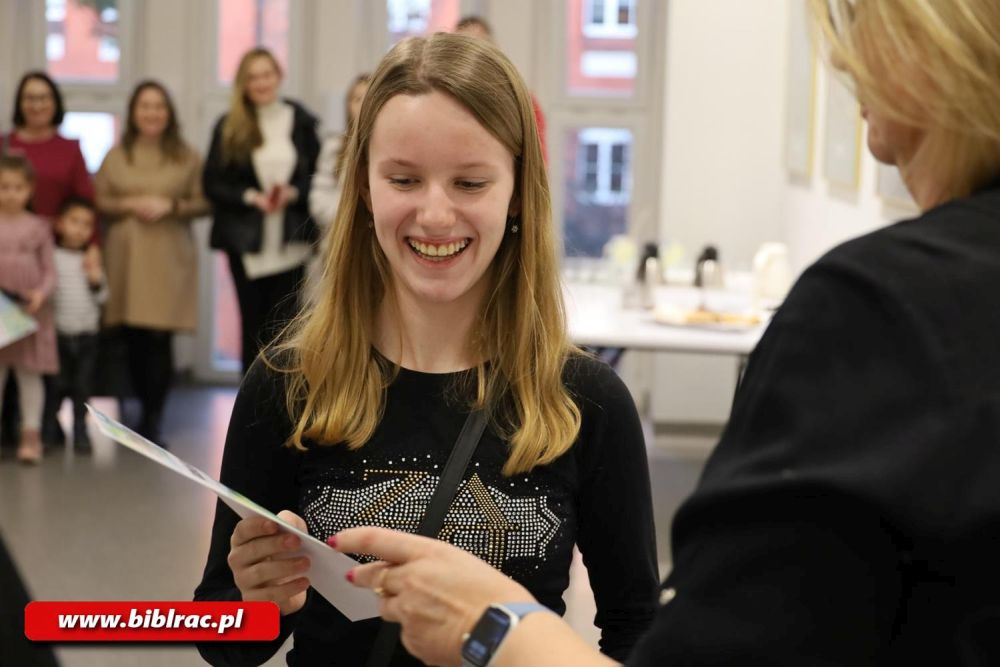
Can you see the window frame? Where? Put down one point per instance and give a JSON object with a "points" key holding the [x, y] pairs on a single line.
{"points": [[604, 140], [609, 27], [641, 114], [129, 17]]}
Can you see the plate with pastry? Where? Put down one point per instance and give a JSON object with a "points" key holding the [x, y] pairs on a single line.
{"points": [[701, 318]]}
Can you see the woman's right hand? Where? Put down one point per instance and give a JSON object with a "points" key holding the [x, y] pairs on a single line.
{"points": [[262, 569]]}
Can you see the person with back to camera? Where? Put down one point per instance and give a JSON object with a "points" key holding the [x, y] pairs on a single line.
{"points": [[81, 289], [324, 196], [149, 188], [440, 305], [257, 176], [60, 172], [27, 276], [849, 515]]}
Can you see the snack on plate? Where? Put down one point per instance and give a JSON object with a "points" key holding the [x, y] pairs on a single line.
{"points": [[699, 317], [711, 317]]}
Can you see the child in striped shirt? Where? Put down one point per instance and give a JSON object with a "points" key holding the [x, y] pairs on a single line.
{"points": [[80, 290]]}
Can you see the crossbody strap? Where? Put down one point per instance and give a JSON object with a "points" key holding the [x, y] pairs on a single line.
{"points": [[472, 431]]}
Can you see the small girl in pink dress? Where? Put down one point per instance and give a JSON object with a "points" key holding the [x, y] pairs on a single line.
{"points": [[27, 274]]}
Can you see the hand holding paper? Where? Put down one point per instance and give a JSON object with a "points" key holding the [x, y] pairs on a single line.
{"points": [[265, 565], [327, 568]]}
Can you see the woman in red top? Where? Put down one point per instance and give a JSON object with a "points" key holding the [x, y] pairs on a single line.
{"points": [[58, 162], [60, 172]]}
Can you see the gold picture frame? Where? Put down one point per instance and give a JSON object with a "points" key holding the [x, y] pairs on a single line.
{"points": [[842, 148], [800, 97]]}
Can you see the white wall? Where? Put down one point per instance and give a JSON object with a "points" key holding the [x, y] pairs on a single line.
{"points": [[725, 179], [723, 176], [722, 126]]}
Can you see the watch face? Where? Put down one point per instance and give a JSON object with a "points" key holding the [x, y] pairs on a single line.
{"points": [[485, 637]]}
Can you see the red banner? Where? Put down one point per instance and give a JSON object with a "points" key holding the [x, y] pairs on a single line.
{"points": [[151, 621]]}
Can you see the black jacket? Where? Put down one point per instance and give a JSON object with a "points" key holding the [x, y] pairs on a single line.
{"points": [[850, 515], [237, 226]]}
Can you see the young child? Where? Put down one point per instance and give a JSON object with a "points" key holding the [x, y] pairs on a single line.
{"points": [[80, 291], [26, 273]]}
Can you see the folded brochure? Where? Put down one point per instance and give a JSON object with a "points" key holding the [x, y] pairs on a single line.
{"points": [[15, 324], [327, 567]]}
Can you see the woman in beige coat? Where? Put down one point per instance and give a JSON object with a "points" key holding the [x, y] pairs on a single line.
{"points": [[149, 187]]}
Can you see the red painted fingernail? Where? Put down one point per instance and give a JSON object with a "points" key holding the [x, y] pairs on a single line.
{"points": [[332, 541], [350, 576]]}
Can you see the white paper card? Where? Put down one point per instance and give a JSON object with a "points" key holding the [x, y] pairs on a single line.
{"points": [[327, 567]]}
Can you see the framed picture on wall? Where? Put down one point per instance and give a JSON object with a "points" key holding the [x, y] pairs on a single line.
{"points": [[842, 150], [800, 98], [892, 190]]}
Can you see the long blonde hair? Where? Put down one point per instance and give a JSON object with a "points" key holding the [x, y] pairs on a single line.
{"points": [[929, 64], [337, 382], [240, 130]]}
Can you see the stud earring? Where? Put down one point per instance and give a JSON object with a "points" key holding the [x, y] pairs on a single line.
{"points": [[371, 223], [514, 227]]}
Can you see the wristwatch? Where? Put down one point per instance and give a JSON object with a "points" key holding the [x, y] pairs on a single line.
{"points": [[480, 645]]}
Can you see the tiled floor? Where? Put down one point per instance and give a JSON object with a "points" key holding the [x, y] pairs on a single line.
{"points": [[116, 526]]}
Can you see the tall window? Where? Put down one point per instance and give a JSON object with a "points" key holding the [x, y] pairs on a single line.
{"points": [[407, 18], [97, 131], [597, 188], [609, 18], [601, 59], [244, 24], [604, 121], [82, 40]]}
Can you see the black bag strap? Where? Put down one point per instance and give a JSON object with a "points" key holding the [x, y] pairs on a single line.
{"points": [[447, 488]]}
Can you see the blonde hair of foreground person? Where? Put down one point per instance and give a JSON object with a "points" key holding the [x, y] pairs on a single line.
{"points": [[336, 382], [241, 131], [928, 64]]}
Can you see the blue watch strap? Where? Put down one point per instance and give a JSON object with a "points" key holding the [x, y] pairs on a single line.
{"points": [[522, 609]]}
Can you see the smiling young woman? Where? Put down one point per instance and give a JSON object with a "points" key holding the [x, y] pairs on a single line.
{"points": [[440, 296]]}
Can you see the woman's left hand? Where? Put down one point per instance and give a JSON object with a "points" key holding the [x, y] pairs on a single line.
{"points": [[436, 591]]}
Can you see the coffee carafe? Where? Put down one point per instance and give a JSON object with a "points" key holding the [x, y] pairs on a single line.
{"points": [[708, 270]]}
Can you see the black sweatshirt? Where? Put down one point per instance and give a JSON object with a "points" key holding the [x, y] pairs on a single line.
{"points": [[851, 512], [596, 496]]}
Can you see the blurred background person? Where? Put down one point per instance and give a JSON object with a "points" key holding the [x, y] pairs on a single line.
{"points": [[81, 290], [60, 172], [325, 193], [149, 187], [258, 176], [477, 26], [27, 276]]}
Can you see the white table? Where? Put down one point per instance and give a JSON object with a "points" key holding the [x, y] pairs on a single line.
{"points": [[597, 318]]}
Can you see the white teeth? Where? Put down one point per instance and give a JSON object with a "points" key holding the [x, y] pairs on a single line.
{"points": [[442, 251]]}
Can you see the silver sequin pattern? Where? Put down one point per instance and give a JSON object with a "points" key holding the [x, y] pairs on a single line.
{"points": [[482, 520]]}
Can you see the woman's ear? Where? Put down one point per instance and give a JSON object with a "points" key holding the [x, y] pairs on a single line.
{"points": [[514, 208]]}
